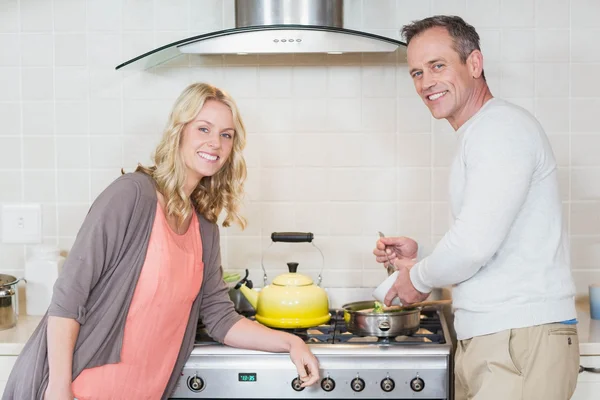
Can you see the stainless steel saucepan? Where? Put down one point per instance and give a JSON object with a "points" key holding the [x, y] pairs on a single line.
{"points": [[9, 301], [394, 321]]}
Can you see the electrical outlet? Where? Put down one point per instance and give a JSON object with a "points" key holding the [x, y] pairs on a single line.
{"points": [[22, 223]]}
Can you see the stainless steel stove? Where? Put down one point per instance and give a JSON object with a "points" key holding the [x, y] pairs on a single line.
{"points": [[406, 367]]}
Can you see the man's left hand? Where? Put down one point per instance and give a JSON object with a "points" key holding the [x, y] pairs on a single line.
{"points": [[404, 289]]}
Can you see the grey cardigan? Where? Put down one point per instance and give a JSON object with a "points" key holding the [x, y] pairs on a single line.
{"points": [[98, 281]]}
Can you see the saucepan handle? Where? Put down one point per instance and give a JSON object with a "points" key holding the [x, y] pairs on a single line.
{"points": [[384, 325], [292, 237], [589, 369], [244, 281], [14, 282]]}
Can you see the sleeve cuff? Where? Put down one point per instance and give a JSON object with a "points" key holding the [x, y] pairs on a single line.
{"points": [[80, 316], [219, 332], [417, 280]]}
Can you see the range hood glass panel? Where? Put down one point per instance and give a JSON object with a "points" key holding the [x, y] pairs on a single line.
{"points": [[261, 40], [151, 59], [287, 41]]}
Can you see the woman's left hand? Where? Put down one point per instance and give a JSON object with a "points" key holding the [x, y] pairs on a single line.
{"points": [[305, 361], [248, 334]]}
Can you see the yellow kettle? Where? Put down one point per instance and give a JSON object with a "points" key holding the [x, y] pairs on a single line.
{"points": [[292, 300]]}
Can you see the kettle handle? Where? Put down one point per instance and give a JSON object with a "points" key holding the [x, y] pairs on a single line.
{"points": [[292, 237]]}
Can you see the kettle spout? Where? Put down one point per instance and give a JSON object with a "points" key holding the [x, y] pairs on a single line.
{"points": [[250, 295]]}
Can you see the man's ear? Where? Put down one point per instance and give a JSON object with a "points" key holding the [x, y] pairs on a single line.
{"points": [[475, 63]]}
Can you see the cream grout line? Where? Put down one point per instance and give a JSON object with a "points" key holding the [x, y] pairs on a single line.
{"points": [[432, 140], [54, 135], [22, 173], [570, 197], [121, 76], [89, 100], [21, 135], [362, 129], [396, 135]]}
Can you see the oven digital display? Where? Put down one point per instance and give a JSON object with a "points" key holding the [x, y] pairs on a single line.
{"points": [[247, 376]]}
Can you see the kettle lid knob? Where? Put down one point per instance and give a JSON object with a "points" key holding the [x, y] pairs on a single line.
{"points": [[292, 266]]}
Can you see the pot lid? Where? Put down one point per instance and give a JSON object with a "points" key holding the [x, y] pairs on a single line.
{"points": [[292, 278]]}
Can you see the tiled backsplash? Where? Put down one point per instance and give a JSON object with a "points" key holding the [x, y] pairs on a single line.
{"points": [[338, 145]]}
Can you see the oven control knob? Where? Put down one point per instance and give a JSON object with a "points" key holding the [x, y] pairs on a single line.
{"points": [[357, 384], [196, 384], [328, 384], [387, 385], [297, 385], [417, 384]]}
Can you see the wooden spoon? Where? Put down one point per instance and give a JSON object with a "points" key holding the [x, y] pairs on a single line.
{"points": [[419, 304]]}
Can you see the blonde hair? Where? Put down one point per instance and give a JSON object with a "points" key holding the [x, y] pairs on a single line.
{"points": [[223, 190]]}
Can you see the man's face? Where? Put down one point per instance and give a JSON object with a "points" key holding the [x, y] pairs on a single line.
{"points": [[441, 79]]}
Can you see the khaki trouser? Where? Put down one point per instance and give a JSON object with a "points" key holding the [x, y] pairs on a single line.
{"points": [[535, 363]]}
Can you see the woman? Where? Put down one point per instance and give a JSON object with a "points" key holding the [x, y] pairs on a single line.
{"points": [[145, 264]]}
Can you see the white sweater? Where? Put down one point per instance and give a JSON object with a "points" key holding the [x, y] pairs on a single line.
{"points": [[506, 251]]}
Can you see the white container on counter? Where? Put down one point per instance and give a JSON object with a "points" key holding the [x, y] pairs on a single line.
{"points": [[41, 270]]}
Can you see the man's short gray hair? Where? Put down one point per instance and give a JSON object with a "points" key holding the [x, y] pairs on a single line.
{"points": [[465, 37]]}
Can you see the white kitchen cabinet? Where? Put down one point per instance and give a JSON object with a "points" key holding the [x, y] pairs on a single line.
{"points": [[6, 365], [588, 383]]}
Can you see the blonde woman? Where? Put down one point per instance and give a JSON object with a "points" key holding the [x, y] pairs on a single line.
{"points": [[145, 265]]}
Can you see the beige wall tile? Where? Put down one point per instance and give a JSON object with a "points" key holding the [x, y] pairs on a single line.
{"points": [[340, 145]]}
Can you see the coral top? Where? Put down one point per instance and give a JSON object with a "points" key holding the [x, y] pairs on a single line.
{"points": [[168, 285]]}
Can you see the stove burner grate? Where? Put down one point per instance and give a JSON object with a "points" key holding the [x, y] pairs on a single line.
{"points": [[335, 331]]}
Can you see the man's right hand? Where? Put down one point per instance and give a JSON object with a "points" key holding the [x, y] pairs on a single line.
{"points": [[58, 392], [401, 251]]}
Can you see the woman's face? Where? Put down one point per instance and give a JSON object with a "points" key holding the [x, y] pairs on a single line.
{"points": [[207, 142]]}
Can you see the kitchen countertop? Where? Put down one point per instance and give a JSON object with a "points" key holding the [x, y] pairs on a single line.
{"points": [[12, 340], [588, 329]]}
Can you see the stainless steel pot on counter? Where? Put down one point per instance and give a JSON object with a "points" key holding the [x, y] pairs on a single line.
{"points": [[9, 301]]}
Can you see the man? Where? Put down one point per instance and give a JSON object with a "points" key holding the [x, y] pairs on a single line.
{"points": [[506, 253]]}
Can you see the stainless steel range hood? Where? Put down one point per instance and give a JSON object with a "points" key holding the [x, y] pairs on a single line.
{"points": [[275, 27]]}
